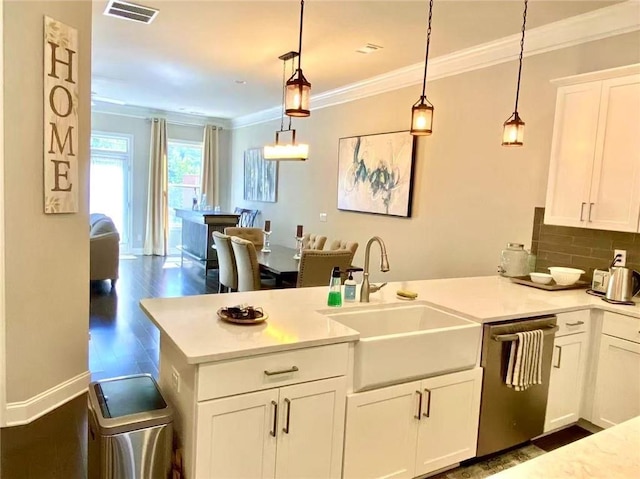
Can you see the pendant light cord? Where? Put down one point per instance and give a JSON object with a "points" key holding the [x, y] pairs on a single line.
{"points": [[426, 56], [284, 79], [300, 38], [524, 24]]}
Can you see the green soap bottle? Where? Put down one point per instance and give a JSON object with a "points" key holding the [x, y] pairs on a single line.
{"points": [[335, 289]]}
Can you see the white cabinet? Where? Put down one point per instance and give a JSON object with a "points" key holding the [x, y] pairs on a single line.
{"points": [[617, 391], [412, 429], [594, 173], [448, 431], [290, 432], [568, 370], [566, 381]]}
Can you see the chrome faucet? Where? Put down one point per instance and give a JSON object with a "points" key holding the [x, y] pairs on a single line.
{"points": [[367, 288]]}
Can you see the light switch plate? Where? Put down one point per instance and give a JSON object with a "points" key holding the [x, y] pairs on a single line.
{"points": [[323, 217], [175, 379]]}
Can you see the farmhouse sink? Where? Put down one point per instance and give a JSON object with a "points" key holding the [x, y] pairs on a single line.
{"points": [[403, 342]]}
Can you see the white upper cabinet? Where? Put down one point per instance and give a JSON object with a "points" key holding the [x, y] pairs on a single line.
{"points": [[594, 173]]}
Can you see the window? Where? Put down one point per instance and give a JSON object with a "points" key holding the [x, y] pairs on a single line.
{"points": [[109, 179], [184, 163]]}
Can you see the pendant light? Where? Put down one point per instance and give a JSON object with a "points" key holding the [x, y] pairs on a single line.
{"points": [[513, 130], [298, 90], [281, 151], [422, 111]]}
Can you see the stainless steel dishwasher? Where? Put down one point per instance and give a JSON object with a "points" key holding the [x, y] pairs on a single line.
{"points": [[509, 417]]}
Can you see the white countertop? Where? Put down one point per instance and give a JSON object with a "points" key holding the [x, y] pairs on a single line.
{"points": [[295, 322], [612, 453]]}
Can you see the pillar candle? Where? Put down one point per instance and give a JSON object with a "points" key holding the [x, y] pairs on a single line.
{"points": [[267, 225], [299, 231]]}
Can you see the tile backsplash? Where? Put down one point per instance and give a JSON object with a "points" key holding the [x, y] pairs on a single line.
{"points": [[582, 248]]}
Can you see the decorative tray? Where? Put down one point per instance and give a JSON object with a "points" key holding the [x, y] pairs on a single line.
{"points": [[526, 280], [242, 315]]}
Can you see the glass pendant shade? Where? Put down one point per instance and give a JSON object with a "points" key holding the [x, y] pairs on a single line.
{"points": [[513, 133], [286, 151], [297, 95], [422, 118]]}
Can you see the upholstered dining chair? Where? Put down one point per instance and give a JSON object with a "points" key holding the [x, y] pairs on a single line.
{"points": [[227, 269], [247, 217], [316, 266], [312, 241], [341, 244], [251, 234], [248, 267]]}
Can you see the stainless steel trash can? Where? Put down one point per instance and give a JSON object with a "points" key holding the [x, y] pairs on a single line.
{"points": [[130, 429]]}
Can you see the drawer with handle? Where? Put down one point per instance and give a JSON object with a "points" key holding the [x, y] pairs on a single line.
{"points": [[573, 322], [267, 371], [620, 326]]}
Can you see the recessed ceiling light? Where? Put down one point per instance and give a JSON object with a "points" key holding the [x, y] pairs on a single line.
{"points": [[369, 48], [241, 82], [130, 11]]}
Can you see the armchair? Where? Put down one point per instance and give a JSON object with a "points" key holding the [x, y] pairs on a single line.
{"points": [[104, 249]]}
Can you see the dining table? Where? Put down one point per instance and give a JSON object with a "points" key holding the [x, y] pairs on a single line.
{"points": [[280, 263]]}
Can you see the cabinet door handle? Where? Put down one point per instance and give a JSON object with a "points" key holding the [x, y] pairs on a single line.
{"points": [[419, 415], [591, 205], [557, 366], [288, 417], [292, 369], [273, 431], [577, 323], [428, 413], [583, 204]]}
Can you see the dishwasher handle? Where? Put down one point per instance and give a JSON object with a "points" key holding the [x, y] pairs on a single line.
{"points": [[513, 337]]}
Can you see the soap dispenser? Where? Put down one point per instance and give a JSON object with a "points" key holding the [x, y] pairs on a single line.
{"points": [[350, 288], [335, 288]]}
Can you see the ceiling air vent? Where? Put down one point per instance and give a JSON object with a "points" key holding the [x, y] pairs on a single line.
{"points": [[130, 11]]}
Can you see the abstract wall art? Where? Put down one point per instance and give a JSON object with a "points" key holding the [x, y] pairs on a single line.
{"points": [[260, 177], [375, 173]]}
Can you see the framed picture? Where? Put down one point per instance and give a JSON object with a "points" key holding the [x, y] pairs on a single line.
{"points": [[260, 177], [375, 173]]}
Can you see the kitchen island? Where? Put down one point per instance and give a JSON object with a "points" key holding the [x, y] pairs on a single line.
{"points": [[612, 453], [228, 380]]}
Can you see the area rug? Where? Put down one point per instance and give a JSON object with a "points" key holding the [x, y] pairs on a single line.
{"points": [[492, 465]]}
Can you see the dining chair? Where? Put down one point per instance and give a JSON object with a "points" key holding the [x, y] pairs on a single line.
{"points": [[248, 267], [247, 217], [250, 234], [227, 269], [316, 266], [313, 241], [341, 244]]}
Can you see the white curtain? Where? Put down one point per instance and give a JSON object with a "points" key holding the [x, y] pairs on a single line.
{"points": [[155, 241], [210, 185]]}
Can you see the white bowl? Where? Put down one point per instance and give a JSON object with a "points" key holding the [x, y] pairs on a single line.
{"points": [[565, 276], [541, 278]]}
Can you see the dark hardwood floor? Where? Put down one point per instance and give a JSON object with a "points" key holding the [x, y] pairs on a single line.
{"points": [[123, 341]]}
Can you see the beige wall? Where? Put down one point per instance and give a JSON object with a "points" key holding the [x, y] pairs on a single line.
{"points": [[140, 130], [47, 256], [471, 196]]}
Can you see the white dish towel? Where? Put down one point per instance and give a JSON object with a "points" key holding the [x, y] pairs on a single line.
{"points": [[525, 360]]}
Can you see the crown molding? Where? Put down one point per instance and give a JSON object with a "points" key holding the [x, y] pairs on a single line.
{"points": [[595, 25], [134, 111]]}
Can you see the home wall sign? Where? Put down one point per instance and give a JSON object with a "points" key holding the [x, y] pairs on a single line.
{"points": [[375, 173], [60, 117]]}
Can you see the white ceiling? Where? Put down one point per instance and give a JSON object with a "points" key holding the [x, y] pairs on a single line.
{"points": [[189, 58]]}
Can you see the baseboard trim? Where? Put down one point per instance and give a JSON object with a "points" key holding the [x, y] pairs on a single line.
{"points": [[24, 412]]}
